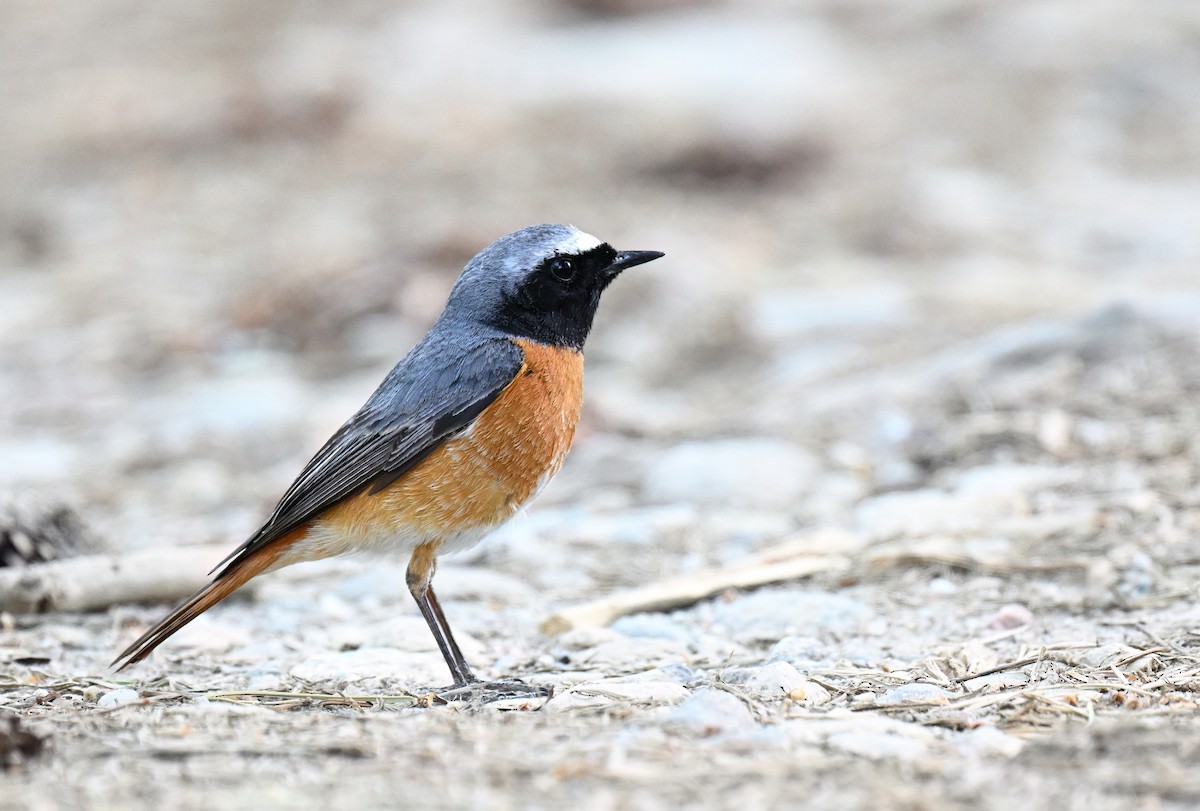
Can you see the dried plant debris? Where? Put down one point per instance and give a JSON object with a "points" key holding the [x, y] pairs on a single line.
{"points": [[1118, 384], [17, 744], [35, 531]]}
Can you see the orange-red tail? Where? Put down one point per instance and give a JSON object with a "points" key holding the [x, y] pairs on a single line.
{"points": [[225, 583]]}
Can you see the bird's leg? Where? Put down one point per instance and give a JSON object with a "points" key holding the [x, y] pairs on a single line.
{"points": [[455, 653], [419, 575]]}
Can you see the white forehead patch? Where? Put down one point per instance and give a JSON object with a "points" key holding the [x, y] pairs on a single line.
{"points": [[578, 242]]}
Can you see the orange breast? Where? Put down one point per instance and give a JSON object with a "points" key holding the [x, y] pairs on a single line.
{"points": [[476, 480]]}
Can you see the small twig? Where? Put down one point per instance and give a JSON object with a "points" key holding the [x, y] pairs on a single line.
{"points": [[231, 696], [936, 674], [998, 669], [1133, 657], [1115, 688], [1037, 665], [1050, 702], [1162, 643]]}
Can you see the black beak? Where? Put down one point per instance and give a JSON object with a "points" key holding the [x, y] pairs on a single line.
{"points": [[628, 259]]}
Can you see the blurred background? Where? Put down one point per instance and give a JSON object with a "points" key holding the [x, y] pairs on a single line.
{"points": [[932, 282], [221, 223]]}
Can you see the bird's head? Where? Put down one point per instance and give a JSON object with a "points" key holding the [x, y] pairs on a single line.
{"points": [[542, 282]]}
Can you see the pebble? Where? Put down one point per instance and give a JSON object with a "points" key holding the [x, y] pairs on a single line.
{"points": [[915, 693], [800, 651], [989, 742], [942, 587], [712, 712], [773, 680], [118, 698], [756, 472], [1013, 615], [810, 694]]}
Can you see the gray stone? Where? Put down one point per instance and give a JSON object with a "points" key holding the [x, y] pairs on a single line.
{"points": [[778, 680], [915, 693], [800, 651], [118, 698], [712, 712]]}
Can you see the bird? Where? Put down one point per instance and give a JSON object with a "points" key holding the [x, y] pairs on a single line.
{"points": [[462, 433]]}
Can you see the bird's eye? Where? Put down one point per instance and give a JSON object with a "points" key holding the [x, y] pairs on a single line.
{"points": [[562, 269]]}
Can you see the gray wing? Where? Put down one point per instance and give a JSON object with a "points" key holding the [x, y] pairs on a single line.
{"points": [[435, 392]]}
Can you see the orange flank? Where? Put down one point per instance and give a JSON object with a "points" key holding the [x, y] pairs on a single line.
{"points": [[475, 480]]}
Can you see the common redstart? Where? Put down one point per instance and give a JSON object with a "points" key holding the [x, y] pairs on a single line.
{"points": [[462, 433]]}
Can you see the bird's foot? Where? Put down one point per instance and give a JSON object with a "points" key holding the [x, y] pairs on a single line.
{"points": [[489, 692]]}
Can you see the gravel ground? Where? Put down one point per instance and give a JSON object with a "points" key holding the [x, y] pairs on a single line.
{"points": [[929, 306]]}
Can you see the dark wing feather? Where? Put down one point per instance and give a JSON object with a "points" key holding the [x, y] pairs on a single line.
{"points": [[435, 392]]}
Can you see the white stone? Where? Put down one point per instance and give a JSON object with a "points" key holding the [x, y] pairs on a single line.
{"points": [[915, 693], [711, 712], [118, 698], [772, 680]]}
